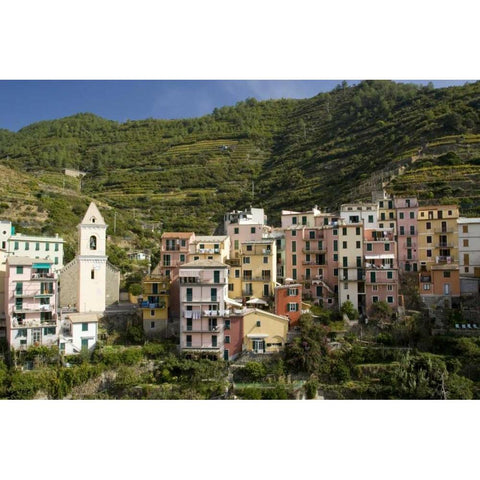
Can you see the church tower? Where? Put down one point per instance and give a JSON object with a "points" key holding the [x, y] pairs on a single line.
{"points": [[92, 261]]}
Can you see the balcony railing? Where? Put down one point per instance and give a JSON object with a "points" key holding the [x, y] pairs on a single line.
{"points": [[33, 308], [444, 259], [314, 250], [216, 313], [170, 248], [314, 263], [444, 230], [43, 276], [425, 278], [208, 250], [444, 245], [202, 329], [203, 346]]}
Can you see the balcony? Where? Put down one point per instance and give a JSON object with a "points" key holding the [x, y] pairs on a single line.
{"points": [[425, 278], [208, 250], [34, 308], [216, 313], [444, 245], [247, 293], [444, 259], [315, 263], [203, 347], [314, 250], [43, 276], [19, 322], [202, 329], [444, 230], [193, 314], [152, 305], [170, 248]]}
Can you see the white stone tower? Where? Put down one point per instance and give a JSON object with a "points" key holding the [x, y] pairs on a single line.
{"points": [[92, 260]]}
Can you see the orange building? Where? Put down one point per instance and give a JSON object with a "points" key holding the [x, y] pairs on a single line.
{"points": [[288, 302]]}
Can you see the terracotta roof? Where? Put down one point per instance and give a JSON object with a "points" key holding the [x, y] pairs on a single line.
{"points": [[177, 234]]}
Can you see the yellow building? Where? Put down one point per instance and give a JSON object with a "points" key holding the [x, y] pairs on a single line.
{"points": [[211, 247], [437, 235], [438, 251], [264, 332], [254, 273], [155, 288]]}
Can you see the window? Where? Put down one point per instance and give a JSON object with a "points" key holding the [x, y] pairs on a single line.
{"points": [[182, 257], [189, 294], [55, 260], [345, 286], [344, 244], [429, 253], [183, 243], [428, 225], [294, 220], [335, 257], [216, 276], [236, 230], [465, 228], [335, 272], [152, 313], [237, 273], [335, 232], [27, 246], [292, 292], [426, 286], [235, 244], [344, 231], [357, 231], [47, 246], [429, 239], [304, 220], [293, 307], [335, 245], [374, 288], [370, 219], [93, 243], [402, 230], [466, 259], [227, 338], [246, 260], [412, 230], [294, 259], [227, 324], [15, 246], [213, 294], [249, 248], [37, 245], [390, 275], [446, 274], [345, 261], [374, 299], [387, 247], [389, 299], [369, 247], [312, 235], [400, 215], [84, 327], [294, 246], [49, 331], [294, 273], [252, 230], [19, 288], [152, 324], [230, 287], [294, 233], [412, 214], [358, 244], [188, 341], [92, 274], [389, 288], [259, 323], [465, 242], [19, 269], [265, 259]]}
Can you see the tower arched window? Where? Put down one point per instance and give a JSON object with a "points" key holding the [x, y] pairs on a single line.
{"points": [[93, 242]]}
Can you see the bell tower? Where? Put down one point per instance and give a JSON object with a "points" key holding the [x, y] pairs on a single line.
{"points": [[92, 259]]}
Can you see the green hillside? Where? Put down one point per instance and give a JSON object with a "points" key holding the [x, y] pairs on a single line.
{"points": [[184, 174]]}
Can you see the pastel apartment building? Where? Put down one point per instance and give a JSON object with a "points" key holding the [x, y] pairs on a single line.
{"points": [[469, 254], [407, 229], [174, 250], [438, 252], [288, 302], [242, 226], [31, 294], [155, 303], [210, 247], [203, 294], [381, 268], [366, 213]]}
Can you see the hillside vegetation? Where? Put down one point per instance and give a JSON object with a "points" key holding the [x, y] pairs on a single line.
{"points": [[184, 174]]}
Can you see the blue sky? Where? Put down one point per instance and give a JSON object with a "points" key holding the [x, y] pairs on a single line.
{"points": [[24, 102]]}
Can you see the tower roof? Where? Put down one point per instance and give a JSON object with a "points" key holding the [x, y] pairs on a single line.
{"points": [[93, 216]]}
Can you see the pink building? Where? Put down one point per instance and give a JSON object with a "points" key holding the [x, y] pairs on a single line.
{"points": [[381, 268], [407, 228], [243, 226], [203, 294], [31, 290], [175, 248]]}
